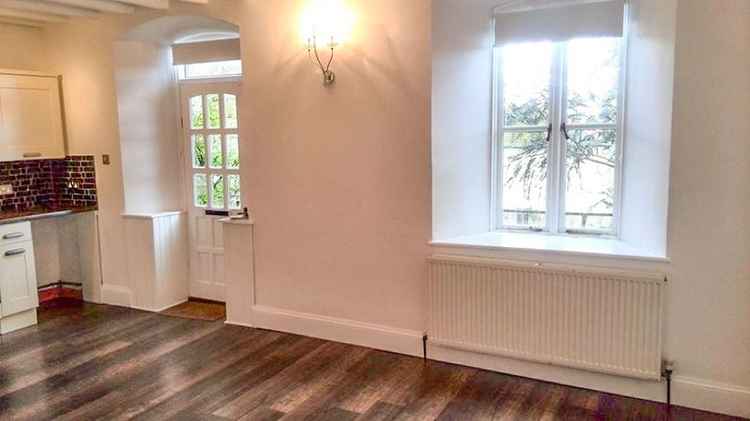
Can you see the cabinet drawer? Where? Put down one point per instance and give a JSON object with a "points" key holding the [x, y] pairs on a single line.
{"points": [[15, 233]]}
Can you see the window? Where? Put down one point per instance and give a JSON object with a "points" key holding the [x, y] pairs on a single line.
{"points": [[558, 140], [216, 69], [214, 151]]}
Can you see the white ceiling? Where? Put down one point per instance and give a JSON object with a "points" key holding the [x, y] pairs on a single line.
{"points": [[40, 12]]}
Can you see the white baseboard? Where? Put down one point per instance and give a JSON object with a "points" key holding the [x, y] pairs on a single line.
{"points": [[687, 392], [402, 341], [159, 310], [117, 295], [710, 396]]}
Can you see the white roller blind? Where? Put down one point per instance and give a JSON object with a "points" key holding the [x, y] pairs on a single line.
{"points": [[557, 20], [207, 51]]}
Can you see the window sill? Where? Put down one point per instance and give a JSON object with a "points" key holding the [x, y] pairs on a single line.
{"points": [[555, 244]]}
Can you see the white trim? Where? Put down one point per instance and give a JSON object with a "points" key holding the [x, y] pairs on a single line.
{"points": [[155, 215], [688, 392], [17, 321], [710, 396], [159, 310], [116, 295], [386, 338]]}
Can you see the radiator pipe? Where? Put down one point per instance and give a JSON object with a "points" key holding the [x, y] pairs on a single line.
{"points": [[667, 371], [424, 347]]}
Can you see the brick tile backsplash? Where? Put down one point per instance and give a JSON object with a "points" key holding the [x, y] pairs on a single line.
{"points": [[68, 182]]}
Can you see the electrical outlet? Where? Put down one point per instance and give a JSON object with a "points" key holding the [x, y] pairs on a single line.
{"points": [[6, 189]]}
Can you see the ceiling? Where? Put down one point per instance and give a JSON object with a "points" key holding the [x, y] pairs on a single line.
{"points": [[40, 12]]}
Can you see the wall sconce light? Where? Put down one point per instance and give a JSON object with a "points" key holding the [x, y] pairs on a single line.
{"points": [[325, 24]]}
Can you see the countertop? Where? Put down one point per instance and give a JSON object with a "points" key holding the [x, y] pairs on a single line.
{"points": [[7, 217]]}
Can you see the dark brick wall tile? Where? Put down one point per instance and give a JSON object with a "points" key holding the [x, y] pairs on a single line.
{"points": [[50, 182]]}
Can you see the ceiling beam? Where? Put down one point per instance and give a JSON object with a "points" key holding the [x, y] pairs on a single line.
{"points": [[151, 4], [33, 16], [98, 5], [20, 22], [51, 8]]}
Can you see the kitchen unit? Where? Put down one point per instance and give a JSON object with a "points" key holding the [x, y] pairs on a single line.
{"points": [[18, 283], [31, 123]]}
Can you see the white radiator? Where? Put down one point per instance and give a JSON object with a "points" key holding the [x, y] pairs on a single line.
{"points": [[598, 320]]}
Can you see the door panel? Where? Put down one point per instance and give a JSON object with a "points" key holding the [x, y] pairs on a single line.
{"points": [[18, 290]]}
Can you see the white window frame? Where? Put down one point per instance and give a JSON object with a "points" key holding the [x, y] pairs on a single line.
{"points": [[555, 217]]}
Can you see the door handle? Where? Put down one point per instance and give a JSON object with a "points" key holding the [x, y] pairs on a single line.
{"points": [[15, 252], [12, 235]]}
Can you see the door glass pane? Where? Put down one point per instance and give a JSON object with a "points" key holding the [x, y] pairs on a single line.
{"points": [[590, 183], [524, 196], [217, 154], [233, 151], [217, 191], [230, 111], [199, 151], [196, 112], [526, 78], [200, 190], [214, 119], [234, 192], [593, 80]]}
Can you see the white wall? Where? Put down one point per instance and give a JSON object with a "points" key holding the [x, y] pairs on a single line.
{"points": [[462, 38], [648, 124], [22, 47], [708, 305], [149, 131], [339, 178], [708, 329]]}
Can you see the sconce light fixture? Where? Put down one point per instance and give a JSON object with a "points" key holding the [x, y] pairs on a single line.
{"points": [[325, 24]]}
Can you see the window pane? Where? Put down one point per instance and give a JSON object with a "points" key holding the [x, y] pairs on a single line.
{"points": [[234, 192], [212, 103], [233, 151], [196, 112], [590, 183], [217, 154], [593, 80], [217, 191], [524, 180], [199, 151], [526, 73], [213, 69], [230, 111], [200, 190]]}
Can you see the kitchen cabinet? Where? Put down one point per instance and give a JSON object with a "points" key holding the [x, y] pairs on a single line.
{"points": [[18, 286], [31, 123]]}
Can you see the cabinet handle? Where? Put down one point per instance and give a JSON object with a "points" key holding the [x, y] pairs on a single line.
{"points": [[32, 154], [15, 252], [12, 235]]}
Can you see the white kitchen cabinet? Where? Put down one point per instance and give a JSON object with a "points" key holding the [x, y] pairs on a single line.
{"points": [[31, 124], [18, 286]]}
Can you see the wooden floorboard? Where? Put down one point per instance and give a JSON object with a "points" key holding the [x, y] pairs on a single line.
{"points": [[91, 362]]}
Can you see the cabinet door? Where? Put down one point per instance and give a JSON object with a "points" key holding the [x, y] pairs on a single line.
{"points": [[30, 118], [18, 289]]}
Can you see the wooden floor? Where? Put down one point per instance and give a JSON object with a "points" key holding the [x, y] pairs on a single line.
{"points": [[102, 362]]}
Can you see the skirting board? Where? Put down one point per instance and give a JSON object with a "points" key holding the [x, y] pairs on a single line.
{"points": [[117, 295], [692, 393], [402, 341], [159, 310]]}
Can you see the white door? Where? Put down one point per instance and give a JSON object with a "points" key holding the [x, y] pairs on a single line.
{"points": [[211, 126], [18, 291], [30, 118]]}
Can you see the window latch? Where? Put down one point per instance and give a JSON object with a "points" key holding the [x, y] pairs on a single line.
{"points": [[564, 130], [549, 132]]}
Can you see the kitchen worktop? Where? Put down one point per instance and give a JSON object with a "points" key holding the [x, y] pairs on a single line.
{"points": [[38, 212]]}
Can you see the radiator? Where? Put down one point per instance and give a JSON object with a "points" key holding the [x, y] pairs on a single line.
{"points": [[592, 319]]}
